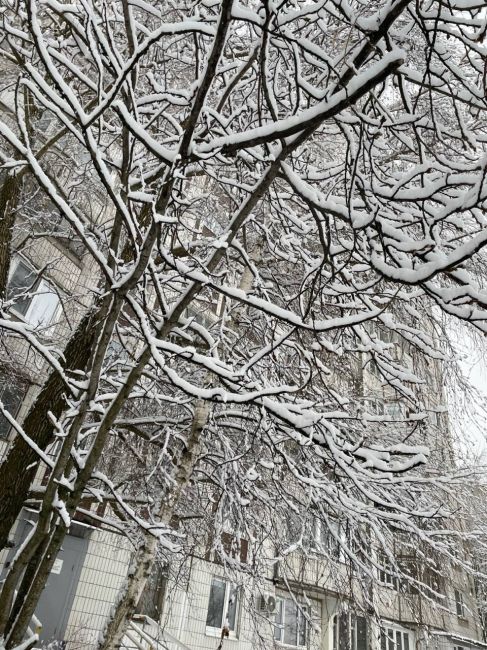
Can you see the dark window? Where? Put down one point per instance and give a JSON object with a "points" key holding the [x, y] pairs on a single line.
{"points": [[350, 632], [22, 280], [231, 546], [152, 598], [11, 397], [222, 605]]}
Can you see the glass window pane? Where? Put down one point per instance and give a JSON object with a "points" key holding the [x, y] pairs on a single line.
{"points": [[303, 626], [11, 397], [20, 281], [390, 634], [151, 599], [343, 633], [290, 622], [232, 608], [398, 640], [216, 604], [43, 305], [278, 621], [406, 641], [382, 641], [362, 633]]}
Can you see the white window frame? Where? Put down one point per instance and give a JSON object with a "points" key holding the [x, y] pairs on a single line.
{"points": [[40, 286], [302, 612], [460, 604], [384, 573], [230, 588], [434, 418], [389, 632], [331, 537]]}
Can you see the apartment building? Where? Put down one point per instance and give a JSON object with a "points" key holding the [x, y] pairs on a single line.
{"points": [[300, 600]]}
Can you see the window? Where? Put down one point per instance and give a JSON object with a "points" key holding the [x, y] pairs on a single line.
{"points": [[349, 632], [460, 604], [228, 545], [394, 410], [342, 541], [386, 572], [374, 406], [291, 623], [434, 418], [152, 598], [222, 607], [431, 576], [34, 298], [373, 368], [383, 333], [327, 537], [11, 397], [395, 639]]}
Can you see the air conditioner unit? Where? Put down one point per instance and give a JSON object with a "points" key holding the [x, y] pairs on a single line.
{"points": [[267, 604]]}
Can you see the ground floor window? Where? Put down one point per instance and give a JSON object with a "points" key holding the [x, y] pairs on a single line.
{"points": [[349, 632], [395, 638], [291, 623], [152, 599], [222, 606]]}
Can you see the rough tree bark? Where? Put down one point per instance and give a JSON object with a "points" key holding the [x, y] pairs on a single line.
{"points": [[8, 200]]}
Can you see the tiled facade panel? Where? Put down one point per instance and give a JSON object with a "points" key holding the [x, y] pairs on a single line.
{"points": [[185, 614], [104, 570]]}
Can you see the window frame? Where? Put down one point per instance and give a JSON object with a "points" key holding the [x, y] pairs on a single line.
{"points": [[374, 406], [38, 288], [211, 630], [389, 632], [460, 606], [373, 369], [384, 575], [301, 611], [328, 537], [352, 630]]}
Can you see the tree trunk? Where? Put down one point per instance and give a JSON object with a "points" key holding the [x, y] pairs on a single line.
{"points": [[8, 201], [19, 467]]}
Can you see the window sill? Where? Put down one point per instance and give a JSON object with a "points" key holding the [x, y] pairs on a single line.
{"points": [[217, 633]]}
